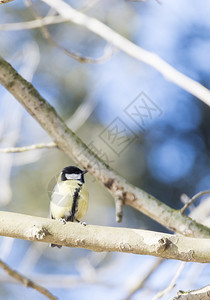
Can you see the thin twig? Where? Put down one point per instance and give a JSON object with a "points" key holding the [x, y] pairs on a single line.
{"points": [[82, 113], [33, 24], [202, 212], [141, 283], [26, 281], [119, 203], [108, 52], [172, 283], [27, 148], [119, 209], [78, 118], [182, 210], [89, 5], [27, 68]]}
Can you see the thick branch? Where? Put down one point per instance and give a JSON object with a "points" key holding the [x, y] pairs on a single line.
{"points": [[72, 145], [98, 238], [188, 84]]}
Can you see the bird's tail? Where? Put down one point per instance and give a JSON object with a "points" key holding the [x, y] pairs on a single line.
{"points": [[54, 245]]}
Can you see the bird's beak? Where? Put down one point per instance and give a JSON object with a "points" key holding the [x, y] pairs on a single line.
{"points": [[84, 171]]}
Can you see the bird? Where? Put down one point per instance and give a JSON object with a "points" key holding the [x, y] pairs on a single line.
{"points": [[70, 197]]}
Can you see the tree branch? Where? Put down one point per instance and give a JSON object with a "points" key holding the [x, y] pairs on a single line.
{"points": [[188, 84], [200, 294], [139, 285], [67, 13], [33, 24], [98, 238], [5, 1], [27, 148], [171, 284], [26, 281], [190, 201], [73, 146], [108, 51]]}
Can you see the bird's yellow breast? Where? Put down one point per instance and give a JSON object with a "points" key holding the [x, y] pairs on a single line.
{"points": [[63, 196]]}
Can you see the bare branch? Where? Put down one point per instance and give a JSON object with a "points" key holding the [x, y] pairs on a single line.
{"points": [[199, 294], [193, 200], [27, 148], [73, 146], [202, 212], [188, 84], [60, 281], [5, 1], [33, 24], [99, 238], [119, 209], [26, 281], [67, 13], [141, 283], [12, 129], [172, 283], [89, 4], [82, 113], [108, 50]]}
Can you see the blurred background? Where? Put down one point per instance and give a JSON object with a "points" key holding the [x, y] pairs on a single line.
{"points": [[164, 149]]}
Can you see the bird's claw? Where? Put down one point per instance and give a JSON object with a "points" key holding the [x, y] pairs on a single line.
{"points": [[62, 220], [82, 223]]}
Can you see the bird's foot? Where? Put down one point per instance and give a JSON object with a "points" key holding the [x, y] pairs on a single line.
{"points": [[82, 223], [62, 220]]}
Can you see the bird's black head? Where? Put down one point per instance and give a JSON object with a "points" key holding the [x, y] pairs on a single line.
{"points": [[73, 173]]}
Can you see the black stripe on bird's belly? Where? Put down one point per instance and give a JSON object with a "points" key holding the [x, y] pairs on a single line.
{"points": [[74, 208]]}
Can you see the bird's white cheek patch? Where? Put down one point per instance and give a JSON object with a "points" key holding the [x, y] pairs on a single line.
{"points": [[73, 176]]}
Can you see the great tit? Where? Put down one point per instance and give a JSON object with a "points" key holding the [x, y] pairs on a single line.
{"points": [[69, 200]]}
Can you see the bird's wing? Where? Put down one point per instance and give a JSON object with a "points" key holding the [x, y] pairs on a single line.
{"points": [[63, 192]]}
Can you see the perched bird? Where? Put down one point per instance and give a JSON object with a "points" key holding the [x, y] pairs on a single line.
{"points": [[69, 200]]}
